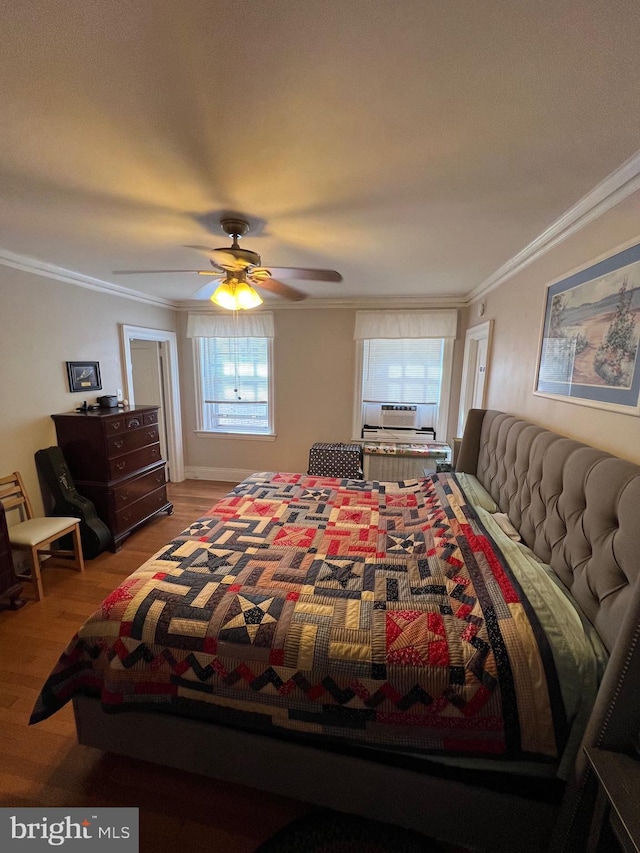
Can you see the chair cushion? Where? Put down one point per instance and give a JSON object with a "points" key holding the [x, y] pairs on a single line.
{"points": [[34, 530]]}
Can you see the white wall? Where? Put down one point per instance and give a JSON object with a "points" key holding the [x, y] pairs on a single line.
{"points": [[43, 324], [314, 354], [517, 307], [313, 371]]}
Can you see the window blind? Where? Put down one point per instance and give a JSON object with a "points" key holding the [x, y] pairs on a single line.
{"points": [[402, 370], [235, 384]]}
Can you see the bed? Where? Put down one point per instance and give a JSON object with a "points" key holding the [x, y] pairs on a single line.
{"points": [[390, 649]]}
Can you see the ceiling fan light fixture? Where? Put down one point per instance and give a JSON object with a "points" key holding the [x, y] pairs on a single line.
{"points": [[224, 296], [246, 296], [233, 268], [236, 295]]}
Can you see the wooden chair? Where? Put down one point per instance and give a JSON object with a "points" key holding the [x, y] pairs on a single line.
{"points": [[37, 534]]}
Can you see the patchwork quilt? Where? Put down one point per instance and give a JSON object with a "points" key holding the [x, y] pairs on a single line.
{"points": [[374, 613]]}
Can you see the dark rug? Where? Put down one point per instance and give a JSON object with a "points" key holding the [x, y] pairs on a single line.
{"points": [[327, 831]]}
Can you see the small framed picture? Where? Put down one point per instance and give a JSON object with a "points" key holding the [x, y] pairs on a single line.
{"points": [[84, 376]]}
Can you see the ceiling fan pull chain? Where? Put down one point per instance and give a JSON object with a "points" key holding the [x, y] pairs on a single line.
{"points": [[235, 354]]}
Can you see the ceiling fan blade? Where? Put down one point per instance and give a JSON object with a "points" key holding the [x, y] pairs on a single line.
{"points": [[279, 288], [310, 274], [206, 291], [207, 249], [138, 272], [227, 260]]}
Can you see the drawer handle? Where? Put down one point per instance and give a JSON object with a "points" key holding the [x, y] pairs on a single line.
{"points": [[154, 451], [134, 422], [121, 465], [118, 444], [152, 433], [159, 478], [126, 517], [124, 497], [115, 425]]}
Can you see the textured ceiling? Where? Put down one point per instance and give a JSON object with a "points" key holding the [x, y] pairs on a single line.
{"points": [[413, 145]]}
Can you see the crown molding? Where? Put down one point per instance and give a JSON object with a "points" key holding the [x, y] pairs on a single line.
{"points": [[621, 183], [386, 303], [30, 265], [20, 262]]}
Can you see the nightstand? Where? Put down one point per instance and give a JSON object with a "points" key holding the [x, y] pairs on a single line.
{"points": [[617, 809]]}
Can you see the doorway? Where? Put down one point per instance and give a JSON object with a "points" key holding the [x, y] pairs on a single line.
{"points": [[151, 377], [477, 347], [147, 371]]}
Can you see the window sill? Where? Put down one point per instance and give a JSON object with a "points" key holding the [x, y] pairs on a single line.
{"points": [[243, 436]]}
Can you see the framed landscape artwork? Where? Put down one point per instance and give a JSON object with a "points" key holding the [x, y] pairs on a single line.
{"points": [[590, 335]]}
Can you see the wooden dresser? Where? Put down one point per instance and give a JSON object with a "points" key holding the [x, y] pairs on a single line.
{"points": [[10, 586], [115, 461]]}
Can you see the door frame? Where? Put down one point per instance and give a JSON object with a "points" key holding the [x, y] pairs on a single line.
{"points": [[171, 381], [481, 332]]}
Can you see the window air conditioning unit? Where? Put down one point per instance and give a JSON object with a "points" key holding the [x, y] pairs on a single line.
{"points": [[399, 416]]}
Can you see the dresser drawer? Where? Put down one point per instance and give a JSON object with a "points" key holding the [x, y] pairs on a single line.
{"points": [[140, 509], [123, 466], [138, 487], [134, 421], [117, 445], [113, 426], [129, 421]]}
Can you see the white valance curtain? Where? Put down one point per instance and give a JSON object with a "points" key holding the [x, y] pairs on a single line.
{"points": [[244, 325], [376, 325]]}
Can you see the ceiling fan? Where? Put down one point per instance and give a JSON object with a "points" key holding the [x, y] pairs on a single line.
{"points": [[237, 271]]}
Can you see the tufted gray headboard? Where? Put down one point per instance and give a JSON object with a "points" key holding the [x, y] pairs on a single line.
{"points": [[578, 509]]}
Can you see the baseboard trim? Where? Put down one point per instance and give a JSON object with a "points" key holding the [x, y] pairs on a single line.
{"points": [[225, 475]]}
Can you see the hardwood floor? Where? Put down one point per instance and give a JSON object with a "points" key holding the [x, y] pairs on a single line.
{"points": [[43, 765]]}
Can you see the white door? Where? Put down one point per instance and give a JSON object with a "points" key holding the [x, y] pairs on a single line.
{"points": [[148, 385], [477, 349], [167, 366], [480, 374]]}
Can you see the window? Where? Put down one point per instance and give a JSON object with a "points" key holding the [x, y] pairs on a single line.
{"points": [[402, 370], [233, 374], [404, 359]]}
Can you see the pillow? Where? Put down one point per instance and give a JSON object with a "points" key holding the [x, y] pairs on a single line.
{"points": [[476, 493], [502, 520]]}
